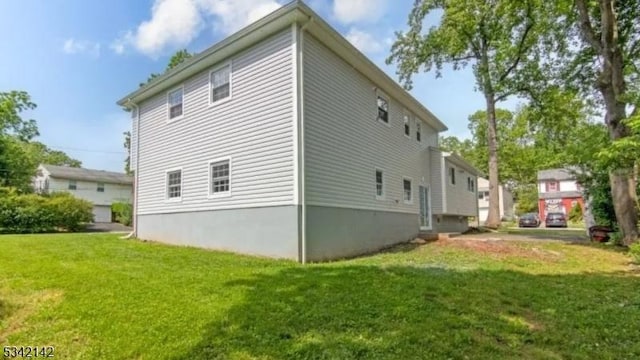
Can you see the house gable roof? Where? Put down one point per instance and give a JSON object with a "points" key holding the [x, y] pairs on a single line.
{"points": [[555, 174], [294, 12], [71, 173]]}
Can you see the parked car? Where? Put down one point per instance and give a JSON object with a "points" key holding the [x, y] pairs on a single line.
{"points": [[555, 220], [529, 220]]}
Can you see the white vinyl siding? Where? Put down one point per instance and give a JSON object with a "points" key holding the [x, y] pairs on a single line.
{"points": [[254, 127], [460, 201], [345, 141]]}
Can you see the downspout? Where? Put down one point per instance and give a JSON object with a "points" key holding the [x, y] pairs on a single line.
{"points": [[134, 233], [301, 169]]}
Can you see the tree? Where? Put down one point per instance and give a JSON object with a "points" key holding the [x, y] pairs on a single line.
{"points": [[178, 58], [611, 51], [500, 39], [127, 147], [42, 154], [11, 123]]}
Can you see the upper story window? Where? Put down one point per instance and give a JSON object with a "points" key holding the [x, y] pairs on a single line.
{"points": [[452, 175], [174, 98], [379, 184], [73, 185], [552, 186], [471, 184], [407, 125], [418, 133], [383, 109], [100, 187], [174, 184], [406, 185], [220, 80], [220, 177]]}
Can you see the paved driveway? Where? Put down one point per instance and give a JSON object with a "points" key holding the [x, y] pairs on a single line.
{"points": [[567, 235], [109, 227]]}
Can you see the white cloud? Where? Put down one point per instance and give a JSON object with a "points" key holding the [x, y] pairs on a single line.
{"points": [[175, 23], [73, 46], [355, 11], [366, 42], [232, 15]]}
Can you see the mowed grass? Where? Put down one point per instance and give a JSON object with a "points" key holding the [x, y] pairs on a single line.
{"points": [[99, 297]]}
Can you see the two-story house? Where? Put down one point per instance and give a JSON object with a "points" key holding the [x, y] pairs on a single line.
{"points": [[558, 191], [284, 140], [101, 188]]}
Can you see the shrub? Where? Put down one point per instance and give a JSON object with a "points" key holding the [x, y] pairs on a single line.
{"points": [[124, 212], [575, 214], [634, 251], [69, 212], [31, 213]]}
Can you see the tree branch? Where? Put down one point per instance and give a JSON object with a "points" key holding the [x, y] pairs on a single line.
{"points": [[521, 46], [585, 26]]}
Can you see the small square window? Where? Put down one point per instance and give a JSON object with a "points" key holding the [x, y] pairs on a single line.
{"points": [[418, 134], [383, 109], [379, 184], [73, 185], [452, 175], [406, 184], [174, 184], [221, 83], [100, 187], [220, 177], [175, 103], [407, 125]]}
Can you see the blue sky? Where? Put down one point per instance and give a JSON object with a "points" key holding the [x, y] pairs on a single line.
{"points": [[77, 57]]}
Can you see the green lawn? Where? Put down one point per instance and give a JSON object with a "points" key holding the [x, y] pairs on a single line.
{"points": [[96, 296]]}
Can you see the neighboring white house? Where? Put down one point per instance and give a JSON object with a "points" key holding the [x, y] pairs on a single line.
{"points": [[284, 140], [101, 188], [506, 201]]}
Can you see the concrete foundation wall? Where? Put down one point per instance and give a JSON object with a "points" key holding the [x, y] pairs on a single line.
{"points": [[450, 223], [267, 231], [341, 232]]}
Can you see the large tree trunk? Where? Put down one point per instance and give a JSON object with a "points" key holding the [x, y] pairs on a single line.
{"points": [[612, 85], [493, 218]]}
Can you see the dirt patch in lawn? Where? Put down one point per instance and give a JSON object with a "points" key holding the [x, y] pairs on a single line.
{"points": [[17, 310], [502, 249]]}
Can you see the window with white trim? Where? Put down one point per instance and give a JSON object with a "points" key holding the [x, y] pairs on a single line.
{"points": [[100, 187], [418, 133], [379, 184], [220, 177], [220, 80], [383, 109], [174, 184], [452, 175], [73, 185], [406, 185], [407, 125], [174, 98]]}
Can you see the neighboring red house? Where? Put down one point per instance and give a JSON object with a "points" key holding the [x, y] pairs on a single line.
{"points": [[558, 191]]}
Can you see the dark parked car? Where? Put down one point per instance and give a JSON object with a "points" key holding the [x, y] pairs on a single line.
{"points": [[555, 220], [529, 220]]}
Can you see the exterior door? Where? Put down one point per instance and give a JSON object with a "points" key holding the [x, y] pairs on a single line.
{"points": [[425, 208]]}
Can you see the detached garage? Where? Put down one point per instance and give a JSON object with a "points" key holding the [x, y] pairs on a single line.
{"points": [[101, 188]]}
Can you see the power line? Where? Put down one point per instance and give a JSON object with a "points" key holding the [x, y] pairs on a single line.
{"points": [[87, 150]]}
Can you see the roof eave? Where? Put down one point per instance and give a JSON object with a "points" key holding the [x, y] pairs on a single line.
{"points": [[243, 38]]}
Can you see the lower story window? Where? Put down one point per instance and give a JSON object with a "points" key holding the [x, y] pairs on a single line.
{"points": [[73, 185], [220, 177], [406, 183], [174, 184], [100, 187]]}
